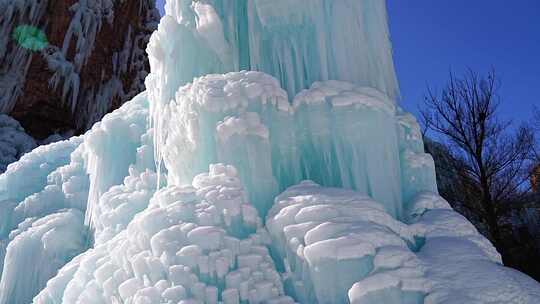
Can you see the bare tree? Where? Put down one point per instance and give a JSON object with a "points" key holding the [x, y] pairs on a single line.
{"points": [[536, 125], [494, 155], [536, 151]]}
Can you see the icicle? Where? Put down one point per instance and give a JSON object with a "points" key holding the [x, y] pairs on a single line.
{"points": [[13, 71]]}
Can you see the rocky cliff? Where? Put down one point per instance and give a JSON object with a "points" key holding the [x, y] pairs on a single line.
{"points": [[90, 60]]}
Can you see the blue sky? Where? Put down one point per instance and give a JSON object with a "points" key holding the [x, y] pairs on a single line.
{"points": [[432, 37]]}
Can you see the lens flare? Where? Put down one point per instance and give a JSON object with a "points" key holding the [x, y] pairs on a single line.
{"points": [[30, 37]]}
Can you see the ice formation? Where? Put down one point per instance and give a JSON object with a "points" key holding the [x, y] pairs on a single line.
{"points": [[14, 142], [45, 196], [317, 136], [297, 42], [302, 182], [192, 244]]}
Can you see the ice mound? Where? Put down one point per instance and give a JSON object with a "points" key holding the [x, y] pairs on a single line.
{"points": [[194, 244], [320, 234], [245, 119], [323, 233], [198, 112]]}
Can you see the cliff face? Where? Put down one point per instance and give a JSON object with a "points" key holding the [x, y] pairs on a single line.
{"points": [[94, 61]]}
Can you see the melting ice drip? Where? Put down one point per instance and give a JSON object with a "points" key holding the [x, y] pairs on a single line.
{"points": [[318, 189]]}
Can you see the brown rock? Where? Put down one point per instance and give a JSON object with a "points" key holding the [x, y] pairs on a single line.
{"points": [[42, 107]]}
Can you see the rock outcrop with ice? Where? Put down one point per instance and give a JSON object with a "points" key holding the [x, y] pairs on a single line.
{"points": [[92, 61], [193, 244]]}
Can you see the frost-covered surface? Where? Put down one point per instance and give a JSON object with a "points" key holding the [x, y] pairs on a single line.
{"points": [[63, 71], [15, 69], [14, 142], [87, 20], [180, 187]]}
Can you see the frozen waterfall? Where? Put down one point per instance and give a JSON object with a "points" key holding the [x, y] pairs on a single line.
{"points": [[268, 162]]}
